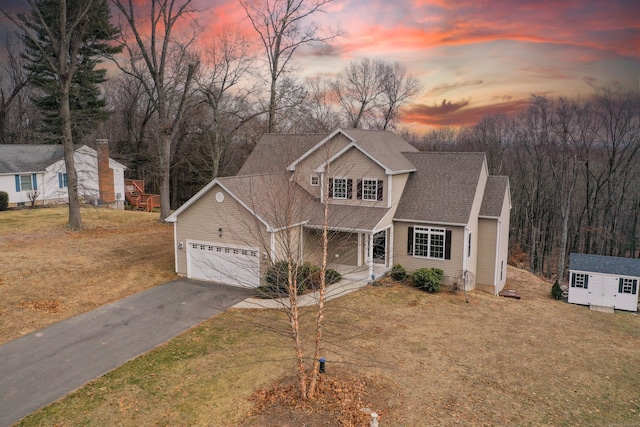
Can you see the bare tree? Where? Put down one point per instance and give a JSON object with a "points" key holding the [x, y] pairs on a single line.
{"points": [[358, 89], [153, 49], [283, 28], [398, 88], [227, 97]]}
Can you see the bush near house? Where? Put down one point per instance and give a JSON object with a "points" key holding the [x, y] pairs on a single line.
{"points": [[307, 278], [4, 201], [398, 273], [428, 279]]}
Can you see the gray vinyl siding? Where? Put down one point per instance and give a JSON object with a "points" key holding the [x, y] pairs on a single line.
{"points": [[451, 267], [206, 216]]}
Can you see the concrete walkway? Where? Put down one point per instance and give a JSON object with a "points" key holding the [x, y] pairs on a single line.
{"points": [[44, 366], [343, 287]]}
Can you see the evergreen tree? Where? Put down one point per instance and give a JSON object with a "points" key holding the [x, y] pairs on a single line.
{"points": [[65, 39], [86, 105]]}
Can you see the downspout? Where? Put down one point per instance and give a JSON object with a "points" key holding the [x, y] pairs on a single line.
{"points": [[496, 274]]}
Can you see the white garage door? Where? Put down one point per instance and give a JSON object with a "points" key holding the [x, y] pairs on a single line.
{"points": [[223, 264]]}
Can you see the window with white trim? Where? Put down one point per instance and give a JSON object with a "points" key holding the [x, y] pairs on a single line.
{"points": [[339, 188], [369, 189], [315, 180], [428, 242]]}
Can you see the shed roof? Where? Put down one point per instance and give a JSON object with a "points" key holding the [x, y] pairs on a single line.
{"points": [[19, 158], [443, 187], [605, 264]]}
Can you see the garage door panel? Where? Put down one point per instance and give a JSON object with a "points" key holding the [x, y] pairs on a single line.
{"points": [[224, 264]]}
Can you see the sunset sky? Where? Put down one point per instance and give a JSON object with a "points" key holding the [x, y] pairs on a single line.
{"points": [[475, 57]]}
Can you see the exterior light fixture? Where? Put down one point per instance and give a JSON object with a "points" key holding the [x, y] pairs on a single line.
{"points": [[220, 232]]}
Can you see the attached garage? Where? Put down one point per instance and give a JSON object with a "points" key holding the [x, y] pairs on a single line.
{"points": [[208, 261]]}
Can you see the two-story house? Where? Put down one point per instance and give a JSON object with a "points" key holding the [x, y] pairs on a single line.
{"points": [[381, 200]]}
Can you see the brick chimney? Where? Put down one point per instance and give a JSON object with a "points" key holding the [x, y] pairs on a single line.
{"points": [[105, 173]]}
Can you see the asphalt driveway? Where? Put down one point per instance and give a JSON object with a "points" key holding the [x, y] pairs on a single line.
{"points": [[44, 366]]}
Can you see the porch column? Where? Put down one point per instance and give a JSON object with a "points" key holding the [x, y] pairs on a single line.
{"points": [[370, 256]]}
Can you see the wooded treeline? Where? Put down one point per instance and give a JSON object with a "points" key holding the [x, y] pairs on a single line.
{"points": [[201, 107], [574, 171]]}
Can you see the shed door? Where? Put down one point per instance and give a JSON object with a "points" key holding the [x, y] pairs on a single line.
{"points": [[602, 291], [224, 264]]}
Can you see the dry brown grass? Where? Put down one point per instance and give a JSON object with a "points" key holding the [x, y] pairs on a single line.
{"points": [[48, 273], [424, 359]]}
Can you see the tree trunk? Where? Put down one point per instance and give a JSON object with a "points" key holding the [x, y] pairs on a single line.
{"points": [[75, 221], [165, 173]]}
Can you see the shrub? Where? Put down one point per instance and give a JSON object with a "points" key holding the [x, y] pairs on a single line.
{"points": [[4, 201], [307, 278], [398, 273], [556, 290], [277, 280], [428, 279], [331, 276]]}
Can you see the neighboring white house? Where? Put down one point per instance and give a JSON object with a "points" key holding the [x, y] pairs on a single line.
{"points": [[38, 172], [604, 281]]}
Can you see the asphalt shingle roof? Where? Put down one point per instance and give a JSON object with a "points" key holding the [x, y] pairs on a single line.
{"points": [[18, 158], [493, 199], [605, 264], [442, 188], [274, 152], [386, 147]]}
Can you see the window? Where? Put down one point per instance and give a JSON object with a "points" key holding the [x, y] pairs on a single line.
{"points": [[580, 280], [339, 188], [26, 182], [627, 286], [369, 189], [62, 180], [315, 181], [469, 246], [429, 242]]}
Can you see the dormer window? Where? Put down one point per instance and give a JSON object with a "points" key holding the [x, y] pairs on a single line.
{"points": [[315, 180]]}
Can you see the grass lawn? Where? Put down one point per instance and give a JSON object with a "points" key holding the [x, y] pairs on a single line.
{"points": [[48, 273], [424, 359]]}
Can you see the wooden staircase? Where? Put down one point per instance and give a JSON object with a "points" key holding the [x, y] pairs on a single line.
{"points": [[136, 197]]}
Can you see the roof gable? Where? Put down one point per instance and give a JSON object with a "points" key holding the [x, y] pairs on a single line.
{"points": [[273, 199], [605, 264], [383, 147], [443, 187]]}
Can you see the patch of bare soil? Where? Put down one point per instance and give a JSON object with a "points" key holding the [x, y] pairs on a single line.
{"points": [[342, 399]]}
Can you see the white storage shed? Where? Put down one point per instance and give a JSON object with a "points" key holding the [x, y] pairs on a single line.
{"points": [[604, 281]]}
